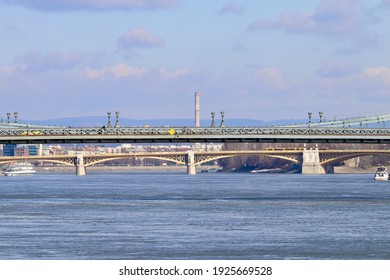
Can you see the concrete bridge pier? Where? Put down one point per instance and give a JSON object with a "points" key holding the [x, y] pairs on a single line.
{"points": [[80, 167], [190, 161], [311, 162]]}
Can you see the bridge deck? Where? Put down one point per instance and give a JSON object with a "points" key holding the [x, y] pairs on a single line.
{"points": [[25, 135]]}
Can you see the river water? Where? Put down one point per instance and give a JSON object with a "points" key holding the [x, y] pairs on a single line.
{"points": [[207, 216]]}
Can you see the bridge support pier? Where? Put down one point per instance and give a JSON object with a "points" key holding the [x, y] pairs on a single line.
{"points": [[190, 161], [311, 162], [80, 167]]}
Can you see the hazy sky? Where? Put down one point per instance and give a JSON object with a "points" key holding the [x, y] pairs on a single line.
{"points": [[252, 59]]}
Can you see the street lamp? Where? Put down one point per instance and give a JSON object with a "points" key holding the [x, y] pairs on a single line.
{"points": [[321, 115], [222, 117], [212, 119], [8, 116], [16, 117], [109, 120], [310, 114], [117, 119]]}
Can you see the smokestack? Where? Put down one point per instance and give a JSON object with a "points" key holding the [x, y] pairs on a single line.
{"points": [[197, 109]]}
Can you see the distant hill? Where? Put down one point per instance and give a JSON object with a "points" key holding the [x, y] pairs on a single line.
{"points": [[96, 121]]}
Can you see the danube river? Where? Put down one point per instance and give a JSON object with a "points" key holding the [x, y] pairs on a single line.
{"points": [[207, 216]]}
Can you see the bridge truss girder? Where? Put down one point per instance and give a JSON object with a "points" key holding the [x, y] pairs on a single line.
{"points": [[326, 156], [338, 156], [203, 158], [176, 158], [66, 160]]}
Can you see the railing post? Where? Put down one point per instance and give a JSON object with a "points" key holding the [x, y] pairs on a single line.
{"points": [[80, 167]]}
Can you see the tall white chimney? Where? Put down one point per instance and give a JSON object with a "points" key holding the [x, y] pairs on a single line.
{"points": [[197, 109]]}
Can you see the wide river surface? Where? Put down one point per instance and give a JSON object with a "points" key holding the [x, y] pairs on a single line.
{"points": [[207, 216]]}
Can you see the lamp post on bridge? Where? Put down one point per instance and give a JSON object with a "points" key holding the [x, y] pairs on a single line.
{"points": [[109, 120], [117, 119], [222, 117], [310, 114], [212, 119], [321, 115], [8, 116], [16, 117]]}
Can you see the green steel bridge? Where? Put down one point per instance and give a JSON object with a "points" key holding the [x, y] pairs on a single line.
{"points": [[341, 131], [353, 130]]}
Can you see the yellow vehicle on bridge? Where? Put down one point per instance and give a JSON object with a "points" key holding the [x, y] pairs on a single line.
{"points": [[31, 133]]}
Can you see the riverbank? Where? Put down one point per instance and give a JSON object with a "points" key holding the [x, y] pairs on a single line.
{"points": [[352, 170], [176, 168], [70, 169]]}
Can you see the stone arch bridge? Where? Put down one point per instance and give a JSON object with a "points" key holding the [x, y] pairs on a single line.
{"points": [[313, 160]]}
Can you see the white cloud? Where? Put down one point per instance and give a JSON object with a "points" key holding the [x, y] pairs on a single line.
{"points": [[337, 68], [13, 70], [173, 74], [340, 87], [270, 79], [93, 73], [120, 70], [331, 17], [380, 73], [38, 61], [231, 8], [116, 86], [140, 38], [100, 5]]}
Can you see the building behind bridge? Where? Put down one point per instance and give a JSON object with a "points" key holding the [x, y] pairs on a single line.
{"points": [[19, 150]]}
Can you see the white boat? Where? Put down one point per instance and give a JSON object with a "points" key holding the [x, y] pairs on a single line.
{"points": [[270, 170], [381, 174], [18, 169], [219, 169]]}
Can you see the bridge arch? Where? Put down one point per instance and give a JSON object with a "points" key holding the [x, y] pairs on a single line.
{"points": [[35, 160], [92, 162], [343, 157], [216, 157]]}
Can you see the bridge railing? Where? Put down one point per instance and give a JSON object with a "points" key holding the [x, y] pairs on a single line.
{"points": [[174, 131]]}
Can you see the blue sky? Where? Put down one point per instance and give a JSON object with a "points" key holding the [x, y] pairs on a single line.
{"points": [[252, 59]]}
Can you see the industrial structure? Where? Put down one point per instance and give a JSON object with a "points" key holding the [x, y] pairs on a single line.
{"points": [[197, 109]]}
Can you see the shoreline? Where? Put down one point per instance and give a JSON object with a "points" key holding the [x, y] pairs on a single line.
{"points": [[178, 168], [71, 169], [354, 170]]}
